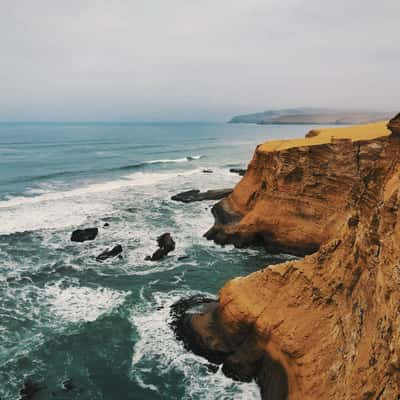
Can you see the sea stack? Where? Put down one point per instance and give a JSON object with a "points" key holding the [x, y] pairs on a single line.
{"points": [[330, 320]]}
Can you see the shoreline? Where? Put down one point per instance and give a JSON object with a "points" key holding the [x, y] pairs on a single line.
{"points": [[290, 312]]}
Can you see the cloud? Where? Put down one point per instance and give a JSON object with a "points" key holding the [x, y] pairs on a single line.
{"points": [[186, 59]]}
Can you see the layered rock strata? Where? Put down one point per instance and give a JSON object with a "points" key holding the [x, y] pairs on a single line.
{"points": [[297, 194], [331, 320]]}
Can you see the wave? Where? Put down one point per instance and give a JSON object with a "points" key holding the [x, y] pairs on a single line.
{"points": [[62, 174], [174, 160], [69, 207]]}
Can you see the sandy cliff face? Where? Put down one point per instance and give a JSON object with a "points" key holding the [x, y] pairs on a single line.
{"points": [[296, 194], [332, 319]]}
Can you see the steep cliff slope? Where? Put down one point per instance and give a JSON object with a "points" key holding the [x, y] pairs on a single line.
{"points": [[330, 320], [297, 194]]}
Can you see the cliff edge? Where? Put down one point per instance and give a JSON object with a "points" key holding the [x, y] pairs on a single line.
{"points": [[296, 194], [327, 326]]}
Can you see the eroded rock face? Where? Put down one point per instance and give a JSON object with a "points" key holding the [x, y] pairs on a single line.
{"points": [[394, 125], [196, 321], [294, 200], [331, 319]]}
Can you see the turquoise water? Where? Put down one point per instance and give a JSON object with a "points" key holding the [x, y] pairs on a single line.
{"points": [[105, 325]]}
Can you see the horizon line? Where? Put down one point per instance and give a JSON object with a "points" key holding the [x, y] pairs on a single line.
{"points": [[110, 122]]}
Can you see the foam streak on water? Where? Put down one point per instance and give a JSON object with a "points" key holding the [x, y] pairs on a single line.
{"points": [[57, 209]]}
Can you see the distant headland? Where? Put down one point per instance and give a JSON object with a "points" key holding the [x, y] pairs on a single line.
{"points": [[307, 115]]}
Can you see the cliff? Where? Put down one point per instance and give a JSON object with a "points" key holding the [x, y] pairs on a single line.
{"points": [[326, 326], [296, 194]]}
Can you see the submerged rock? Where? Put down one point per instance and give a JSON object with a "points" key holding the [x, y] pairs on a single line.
{"points": [[115, 251], [239, 171], [165, 244], [29, 389], [68, 385], [81, 235], [195, 195]]}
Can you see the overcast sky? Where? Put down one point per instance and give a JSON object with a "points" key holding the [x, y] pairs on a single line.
{"points": [[195, 59]]}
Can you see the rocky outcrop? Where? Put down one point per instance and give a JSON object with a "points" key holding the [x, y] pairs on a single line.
{"points": [[330, 320], [82, 235], [165, 245], [297, 194], [239, 171], [114, 252], [394, 125], [195, 195]]}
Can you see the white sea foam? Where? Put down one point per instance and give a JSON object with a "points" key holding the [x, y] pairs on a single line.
{"points": [[174, 160], [157, 342], [59, 209], [76, 304]]}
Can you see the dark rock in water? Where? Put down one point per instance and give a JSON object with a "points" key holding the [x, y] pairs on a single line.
{"points": [[29, 389], [68, 385], [165, 244], [106, 225], [207, 171], [212, 368], [115, 251], [195, 195], [81, 235], [181, 313], [239, 171], [181, 258]]}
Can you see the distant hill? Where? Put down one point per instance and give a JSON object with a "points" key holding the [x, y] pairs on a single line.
{"points": [[312, 116]]}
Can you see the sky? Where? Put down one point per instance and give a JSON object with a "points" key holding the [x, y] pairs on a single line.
{"points": [[153, 60]]}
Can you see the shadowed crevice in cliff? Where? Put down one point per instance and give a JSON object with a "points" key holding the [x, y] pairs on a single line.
{"points": [[195, 321]]}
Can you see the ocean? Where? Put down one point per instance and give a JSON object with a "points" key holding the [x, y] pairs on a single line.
{"points": [[104, 326]]}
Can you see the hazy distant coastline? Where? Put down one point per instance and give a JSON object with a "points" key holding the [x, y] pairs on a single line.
{"points": [[311, 116]]}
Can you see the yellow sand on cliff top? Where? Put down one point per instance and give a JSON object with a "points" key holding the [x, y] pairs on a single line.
{"points": [[326, 135]]}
